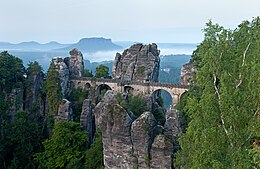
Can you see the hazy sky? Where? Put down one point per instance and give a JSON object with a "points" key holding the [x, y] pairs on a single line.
{"points": [[67, 21]]}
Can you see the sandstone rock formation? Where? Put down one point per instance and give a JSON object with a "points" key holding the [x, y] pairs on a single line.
{"points": [[32, 92], [161, 152], [69, 67], [75, 63], [135, 143], [15, 98], [187, 73], [115, 124], [87, 119], [65, 111], [63, 70], [139, 63], [142, 132]]}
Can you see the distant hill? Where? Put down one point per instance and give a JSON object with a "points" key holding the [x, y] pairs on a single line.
{"points": [[31, 46], [90, 45]]}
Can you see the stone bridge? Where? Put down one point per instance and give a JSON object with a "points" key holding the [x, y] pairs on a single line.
{"points": [[135, 87]]}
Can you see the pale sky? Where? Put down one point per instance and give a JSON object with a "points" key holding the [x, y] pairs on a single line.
{"points": [[67, 21]]}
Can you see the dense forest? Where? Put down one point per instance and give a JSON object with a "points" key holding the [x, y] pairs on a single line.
{"points": [[222, 106], [221, 109]]}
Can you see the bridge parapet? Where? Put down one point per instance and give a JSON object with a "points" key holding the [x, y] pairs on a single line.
{"points": [[125, 82]]}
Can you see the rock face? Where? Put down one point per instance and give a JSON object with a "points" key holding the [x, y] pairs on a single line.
{"points": [[142, 137], [15, 97], [63, 70], [161, 153], [134, 143], [115, 124], [139, 63], [69, 67], [187, 73], [65, 111], [75, 63], [87, 119], [32, 92]]}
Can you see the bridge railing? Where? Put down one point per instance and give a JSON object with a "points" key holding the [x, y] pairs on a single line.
{"points": [[127, 82]]}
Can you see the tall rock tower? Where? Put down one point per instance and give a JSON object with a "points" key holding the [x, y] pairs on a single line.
{"points": [[138, 63]]}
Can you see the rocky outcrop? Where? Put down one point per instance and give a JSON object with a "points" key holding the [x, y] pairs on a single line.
{"points": [[15, 98], [142, 133], [87, 119], [65, 111], [115, 124], [135, 142], [139, 63], [161, 152], [32, 92], [63, 70], [172, 129], [187, 73], [69, 67], [75, 63]]}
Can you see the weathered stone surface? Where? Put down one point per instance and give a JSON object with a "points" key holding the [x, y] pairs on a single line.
{"points": [[142, 134], [65, 111], [173, 127], [187, 73], [139, 63], [161, 152], [16, 100], [75, 63], [115, 124], [63, 70], [87, 119], [32, 92]]}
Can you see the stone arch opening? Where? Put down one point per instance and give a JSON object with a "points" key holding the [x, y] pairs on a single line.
{"points": [[87, 85], [164, 97], [128, 89], [100, 92], [162, 102]]}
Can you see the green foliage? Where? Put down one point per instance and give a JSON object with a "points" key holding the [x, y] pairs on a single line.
{"points": [[66, 144], [135, 104], [102, 72], [53, 90], [87, 73], [34, 68], [22, 141], [11, 72], [77, 96], [140, 70], [94, 155], [223, 115]]}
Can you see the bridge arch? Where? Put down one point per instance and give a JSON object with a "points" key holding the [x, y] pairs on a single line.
{"points": [[128, 89], [163, 98]]}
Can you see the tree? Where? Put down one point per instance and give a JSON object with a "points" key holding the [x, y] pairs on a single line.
{"points": [[102, 72], [94, 155], [225, 116], [22, 141], [67, 143], [53, 90], [87, 73], [34, 68], [11, 72]]}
